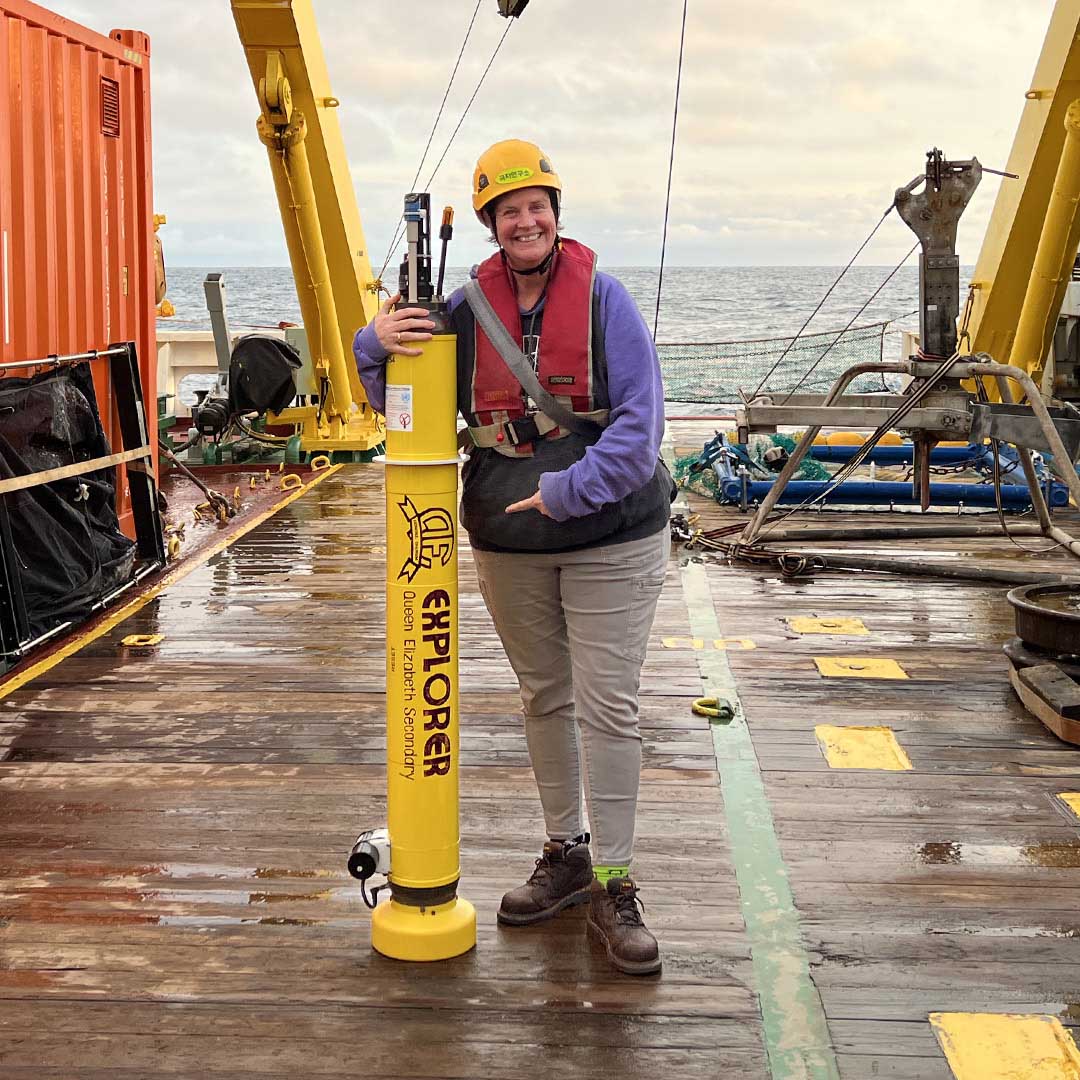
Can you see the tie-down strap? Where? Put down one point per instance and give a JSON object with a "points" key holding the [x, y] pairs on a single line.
{"points": [[527, 429]]}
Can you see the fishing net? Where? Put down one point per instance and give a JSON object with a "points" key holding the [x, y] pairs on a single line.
{"points": [[809, 468], [695, 472], [715, 371], [700, 481]]}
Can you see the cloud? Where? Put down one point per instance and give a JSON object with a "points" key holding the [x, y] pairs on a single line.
{"points": [[797, 121]]}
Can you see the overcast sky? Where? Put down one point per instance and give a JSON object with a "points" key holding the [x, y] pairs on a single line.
{"points": [[797, 123]]}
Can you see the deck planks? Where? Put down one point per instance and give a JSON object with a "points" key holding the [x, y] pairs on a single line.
{"points": [[173, 825], [173, 821], [955, 886]]}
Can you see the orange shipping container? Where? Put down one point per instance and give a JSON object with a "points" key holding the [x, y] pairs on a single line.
{"points": [[76, 199]]}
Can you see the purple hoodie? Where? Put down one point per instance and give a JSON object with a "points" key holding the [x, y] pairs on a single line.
{"points": [[624, 458]]}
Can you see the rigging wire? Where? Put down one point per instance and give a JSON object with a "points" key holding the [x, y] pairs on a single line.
{"points": [[442, 105], [509, 27], [431, 135], [671, 169], [821, 302], [215, 498], [858, 459], [851, 322], [453, 135], [995, 449]]}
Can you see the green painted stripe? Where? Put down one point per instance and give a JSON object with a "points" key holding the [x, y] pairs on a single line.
{"points": [[796, 1032]]}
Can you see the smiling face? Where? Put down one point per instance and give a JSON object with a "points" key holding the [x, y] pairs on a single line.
{"points": [[525, 226]]}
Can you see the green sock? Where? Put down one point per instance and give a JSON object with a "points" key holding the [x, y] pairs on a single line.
{"points": [[605, 873]]}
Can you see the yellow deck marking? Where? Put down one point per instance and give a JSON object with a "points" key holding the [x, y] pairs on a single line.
{"points": [[738, 644], [697, 644], [986, 1046], [859, 667], [803, 624], [862, 748], [683, 643], [1072, 800], [9, 686], [136, 641]]}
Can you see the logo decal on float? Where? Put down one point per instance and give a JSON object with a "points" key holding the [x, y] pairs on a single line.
{"points": [[431, 538]]}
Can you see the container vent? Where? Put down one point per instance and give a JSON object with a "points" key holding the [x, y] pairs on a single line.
{"points": [[110, 108]]}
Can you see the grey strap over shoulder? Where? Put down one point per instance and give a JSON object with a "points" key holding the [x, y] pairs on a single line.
{"points": [[519, 365]]}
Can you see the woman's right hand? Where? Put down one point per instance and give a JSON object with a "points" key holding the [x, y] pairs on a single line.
{"points": [[393, 327]]}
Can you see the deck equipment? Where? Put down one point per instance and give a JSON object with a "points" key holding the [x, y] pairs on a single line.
{"points": [[425, 918], [76, 207], [1045, 655], [335, 286], [937, 404], [964, 380], [63, 557]]}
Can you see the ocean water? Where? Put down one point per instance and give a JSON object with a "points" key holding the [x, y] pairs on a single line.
{"points": [[699, 303]]}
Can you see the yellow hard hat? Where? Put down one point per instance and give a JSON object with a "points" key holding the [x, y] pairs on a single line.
{"points": [[509, 166]]}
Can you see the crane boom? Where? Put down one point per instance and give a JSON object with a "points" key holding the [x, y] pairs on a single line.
{"points": [[1004, 268], [335, 285]]}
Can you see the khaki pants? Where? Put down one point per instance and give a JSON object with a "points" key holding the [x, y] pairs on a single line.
{"points": [[575, 627]]}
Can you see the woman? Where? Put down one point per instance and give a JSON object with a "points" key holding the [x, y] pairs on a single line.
{"points": [[567, 516]]}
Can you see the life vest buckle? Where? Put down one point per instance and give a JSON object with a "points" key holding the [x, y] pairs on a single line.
{"points": [[522, 430]]}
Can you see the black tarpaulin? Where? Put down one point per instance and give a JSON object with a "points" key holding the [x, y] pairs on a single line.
{"points": [[261, 375], [68, 547]]}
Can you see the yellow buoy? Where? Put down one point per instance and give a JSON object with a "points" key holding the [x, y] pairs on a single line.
{"points": [[425, 919]]}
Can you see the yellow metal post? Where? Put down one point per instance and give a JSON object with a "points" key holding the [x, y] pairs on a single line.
{"points": [[292, 177], [1054, 258], [330, 262], [1004, 265], [425, 920]]}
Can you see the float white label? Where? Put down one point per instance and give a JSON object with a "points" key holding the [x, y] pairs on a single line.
{"points": [[399, 408]]}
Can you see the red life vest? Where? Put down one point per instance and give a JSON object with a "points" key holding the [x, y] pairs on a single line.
{"points": [[565, 359]]}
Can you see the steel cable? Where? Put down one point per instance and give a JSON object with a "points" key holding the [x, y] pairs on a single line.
{"points": [[506, 32], [453, 135], [671, 169], [449, 85], [995, 449], [821, 302], [850, 467], [857, 460], [438, 117], [851, 322]]}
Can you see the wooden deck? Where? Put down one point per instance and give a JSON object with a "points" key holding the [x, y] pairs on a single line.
{"points": [[174, 823]]}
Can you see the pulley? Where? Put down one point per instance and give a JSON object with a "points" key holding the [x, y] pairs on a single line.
{"points": [[275, 93]]}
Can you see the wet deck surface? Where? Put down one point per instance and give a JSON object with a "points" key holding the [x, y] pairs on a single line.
{"points": [[173, 824], [951, 887]]}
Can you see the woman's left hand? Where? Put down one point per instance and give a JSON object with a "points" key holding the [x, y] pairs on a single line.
{"points": [[535, 503]]}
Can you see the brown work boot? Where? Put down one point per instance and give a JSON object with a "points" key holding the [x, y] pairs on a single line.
{"points": [[561, 879], [615, 921]]}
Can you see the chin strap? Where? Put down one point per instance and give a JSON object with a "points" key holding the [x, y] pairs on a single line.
{"points": [[540, 268]]}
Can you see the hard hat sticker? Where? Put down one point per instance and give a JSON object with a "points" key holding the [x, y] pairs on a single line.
{"points": [[510, 176], [399, 408]]}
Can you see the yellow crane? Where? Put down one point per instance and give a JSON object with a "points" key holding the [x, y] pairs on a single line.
{"points": [[1016, 292], [330, 262], [1032, 237]]}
